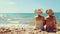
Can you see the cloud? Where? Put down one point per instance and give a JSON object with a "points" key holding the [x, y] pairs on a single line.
{"points": [[8, 7], [11, 3], [10, 10]]}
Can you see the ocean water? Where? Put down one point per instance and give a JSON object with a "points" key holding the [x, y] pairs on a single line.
{"points": [[7, 18]]}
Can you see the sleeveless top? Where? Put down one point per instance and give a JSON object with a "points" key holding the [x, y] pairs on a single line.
{"points": [[50, 23], [39, 24]]}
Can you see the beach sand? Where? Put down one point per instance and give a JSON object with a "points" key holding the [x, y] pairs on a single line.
{"points": [[23, 30]]}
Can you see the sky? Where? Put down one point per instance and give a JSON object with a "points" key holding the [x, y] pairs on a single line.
{"points": [[28, 6]]}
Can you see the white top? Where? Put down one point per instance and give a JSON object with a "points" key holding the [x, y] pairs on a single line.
{"points": [[39, 25]]}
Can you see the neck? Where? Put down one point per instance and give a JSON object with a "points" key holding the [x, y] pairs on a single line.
{"points": [[50, 15], [39, 15]]}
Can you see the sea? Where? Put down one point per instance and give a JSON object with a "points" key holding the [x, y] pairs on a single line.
{"points": [[7, 18]]}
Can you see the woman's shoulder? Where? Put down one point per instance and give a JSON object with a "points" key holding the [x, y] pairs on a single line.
{"points": [[48, 17], [35, 17], [54, 17]]}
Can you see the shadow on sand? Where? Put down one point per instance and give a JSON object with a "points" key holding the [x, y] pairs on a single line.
{"points": [[58, 29], [53, 31]]}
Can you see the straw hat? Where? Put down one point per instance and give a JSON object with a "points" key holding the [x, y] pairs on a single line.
{"points": [[38, 11], [49, 11]]}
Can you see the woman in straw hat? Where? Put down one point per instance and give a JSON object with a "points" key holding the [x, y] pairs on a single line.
{"points": [[38, 20], [50, 21]]}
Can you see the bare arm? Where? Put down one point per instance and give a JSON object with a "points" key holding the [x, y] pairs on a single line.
{"points": [[35, 21], [44, 22], [55, 20]]}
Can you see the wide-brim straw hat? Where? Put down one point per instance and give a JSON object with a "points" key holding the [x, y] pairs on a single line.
{"points": [[49, 10], [38, 11]]}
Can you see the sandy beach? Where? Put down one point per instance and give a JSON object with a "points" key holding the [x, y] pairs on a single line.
{"points": [[22, 29]]}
